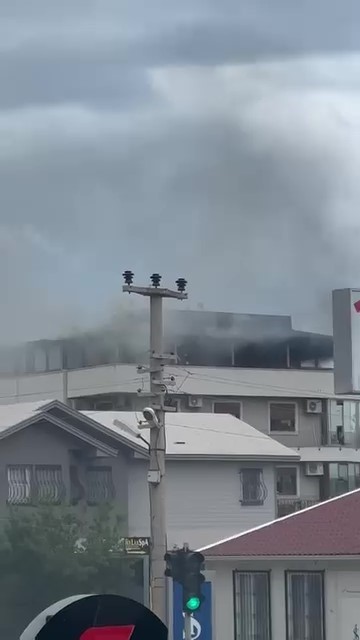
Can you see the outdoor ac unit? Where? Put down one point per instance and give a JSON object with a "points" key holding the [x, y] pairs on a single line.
{"points": [[195, 402], [313, 406], [314, 469]]}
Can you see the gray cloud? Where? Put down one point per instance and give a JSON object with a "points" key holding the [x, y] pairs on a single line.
{"points": [[240, 177]]}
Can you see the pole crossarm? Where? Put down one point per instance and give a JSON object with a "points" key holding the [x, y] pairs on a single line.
{"points": [[155, 291]]}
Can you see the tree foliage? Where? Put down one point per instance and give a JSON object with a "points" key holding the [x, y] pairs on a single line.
{"points": [[51, 553]]}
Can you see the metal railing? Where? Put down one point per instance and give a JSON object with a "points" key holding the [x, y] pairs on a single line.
{"points": [[39, 484], [285, 506]]}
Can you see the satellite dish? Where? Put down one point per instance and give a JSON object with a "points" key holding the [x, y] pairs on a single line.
{"points": [[100, 617]]}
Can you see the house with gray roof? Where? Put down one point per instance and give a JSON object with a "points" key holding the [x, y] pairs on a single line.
{"points": [[220, 470]]}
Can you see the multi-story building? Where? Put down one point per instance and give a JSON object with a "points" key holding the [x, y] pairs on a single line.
{"points": [[257, 368]]}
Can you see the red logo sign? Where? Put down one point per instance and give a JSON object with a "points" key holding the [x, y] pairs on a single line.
{"points": [[357, 306], [108, 633]]}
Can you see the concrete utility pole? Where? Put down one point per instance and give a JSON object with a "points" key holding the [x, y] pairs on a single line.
{"points": [[155, 417]]}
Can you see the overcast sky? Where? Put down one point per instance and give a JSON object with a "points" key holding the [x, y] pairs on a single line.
{"points": [[219, 141]]}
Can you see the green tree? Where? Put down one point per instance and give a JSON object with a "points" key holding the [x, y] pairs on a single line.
{"points": [[51, 553]]}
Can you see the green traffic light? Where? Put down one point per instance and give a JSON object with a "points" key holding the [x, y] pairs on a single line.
{"points": [[193, 603]]}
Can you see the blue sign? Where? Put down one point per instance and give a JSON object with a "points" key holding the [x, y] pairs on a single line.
{"points": [[201, 621]]}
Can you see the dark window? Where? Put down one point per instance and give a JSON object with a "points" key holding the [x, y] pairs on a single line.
{"points": [[99, 485], [29, 484], [233, 408], [252, 486], [77, 491], [340, 478], [286, 481], [357, 475], [305, 606], [283, 417], [252, 605]]}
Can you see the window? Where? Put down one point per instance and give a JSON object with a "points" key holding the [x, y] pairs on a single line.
{"points": [[233, 408], [48, 484], [29, 484], [342, 420], [77, 491], [305, 606], [252, 605], [343, 477], [282, 417], [99, 485], [287, 481], [19, 484], [253, 487]]}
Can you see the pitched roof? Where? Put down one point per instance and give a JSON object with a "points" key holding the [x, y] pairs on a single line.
{"points": [[17, 416], [203, 435], [331, 528], [13, 414]]}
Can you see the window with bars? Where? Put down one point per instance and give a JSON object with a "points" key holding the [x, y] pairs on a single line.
{"points": [[305, 605], [48, 484], [35, 484], [253, 489], [252, 605], [99, 485], [19, 484]]}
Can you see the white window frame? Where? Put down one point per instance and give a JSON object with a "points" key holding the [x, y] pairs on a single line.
{"points": [[284, 433], [222, 401], [288, 466]]}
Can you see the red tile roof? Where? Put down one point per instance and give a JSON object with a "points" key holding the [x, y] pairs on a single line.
{"points": [[326, 529]]}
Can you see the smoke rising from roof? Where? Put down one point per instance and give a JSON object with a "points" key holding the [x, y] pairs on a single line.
{"points": [[239, 176]]}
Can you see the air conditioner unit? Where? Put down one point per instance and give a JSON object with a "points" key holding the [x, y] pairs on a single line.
{"points": [[195, 402], [314, 469], [313, 406]]}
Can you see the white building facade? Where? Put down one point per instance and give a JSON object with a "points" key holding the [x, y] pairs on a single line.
{"points": [[298, 408]]}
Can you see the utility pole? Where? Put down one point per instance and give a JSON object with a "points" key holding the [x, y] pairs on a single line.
{"points": [[155, 417]]}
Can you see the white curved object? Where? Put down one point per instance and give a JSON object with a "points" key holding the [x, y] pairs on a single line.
{"points": [[35, 625]]}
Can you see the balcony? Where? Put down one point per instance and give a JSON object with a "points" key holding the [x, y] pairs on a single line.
{"points": [[285, 506]]}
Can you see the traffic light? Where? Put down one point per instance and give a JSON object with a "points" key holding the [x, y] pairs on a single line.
{"points": [[192, 582], [174, 565], [184, 566]]}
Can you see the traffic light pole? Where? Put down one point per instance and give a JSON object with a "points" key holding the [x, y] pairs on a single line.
{"points": [[187, 626], [156, 476]]}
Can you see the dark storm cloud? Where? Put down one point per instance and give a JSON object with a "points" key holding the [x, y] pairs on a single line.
{"points": [[160, 32], [236, 177]]}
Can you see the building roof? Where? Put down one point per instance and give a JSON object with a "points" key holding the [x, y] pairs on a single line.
{"points": [[330, 528], [15, 417], [13, 414], [328, 454], [202, 435]]}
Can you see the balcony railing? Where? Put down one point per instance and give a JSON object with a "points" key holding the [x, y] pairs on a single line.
{"points": [[285, 506]]}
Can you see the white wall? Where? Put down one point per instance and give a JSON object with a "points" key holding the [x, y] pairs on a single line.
{"points": [[342, 594], [203, 501]]}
